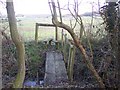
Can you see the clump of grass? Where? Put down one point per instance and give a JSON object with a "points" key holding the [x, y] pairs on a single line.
{"points": [[34, 57]]}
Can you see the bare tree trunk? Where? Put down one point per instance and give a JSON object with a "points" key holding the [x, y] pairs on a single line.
{"points": [[0, 61], [18, 43], [118, 53], [78, 44]]}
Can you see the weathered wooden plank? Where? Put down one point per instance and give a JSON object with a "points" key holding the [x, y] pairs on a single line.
{"points": [[55, 69], [60, 69], [50, 69], [42, 24]]}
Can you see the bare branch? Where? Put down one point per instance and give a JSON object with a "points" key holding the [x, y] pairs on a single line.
{"points": [[79, 45], [54, 11], [50, 7], [59, 11], [73, 16]]}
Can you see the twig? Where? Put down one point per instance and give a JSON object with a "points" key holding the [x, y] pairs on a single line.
{"points": [[50, 7], [59, 11]]}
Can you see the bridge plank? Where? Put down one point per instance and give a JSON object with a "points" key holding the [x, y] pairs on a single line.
{"points": [[55, 69]]}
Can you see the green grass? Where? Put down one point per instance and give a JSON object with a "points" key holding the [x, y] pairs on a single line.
{"points": [[26, 27], [34, 57]]}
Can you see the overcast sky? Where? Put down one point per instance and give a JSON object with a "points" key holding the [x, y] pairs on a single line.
{"points": [[42, 7]]}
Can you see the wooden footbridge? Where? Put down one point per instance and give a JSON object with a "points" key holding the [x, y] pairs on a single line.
{"points": [[55, 69]]}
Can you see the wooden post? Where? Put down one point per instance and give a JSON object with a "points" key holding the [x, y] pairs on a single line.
{"points": [[57, 45], [56, 36], [68, 63], [64, 48], [71, 62], [62, 38], [36, 33], [56, 33]]}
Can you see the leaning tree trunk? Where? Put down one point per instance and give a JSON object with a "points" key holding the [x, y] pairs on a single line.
{"points": [[118, 49], [81, 48], [18, 43], [78, 44]]}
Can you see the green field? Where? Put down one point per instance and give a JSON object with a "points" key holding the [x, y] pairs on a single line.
{"points": [[26, 27]]}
